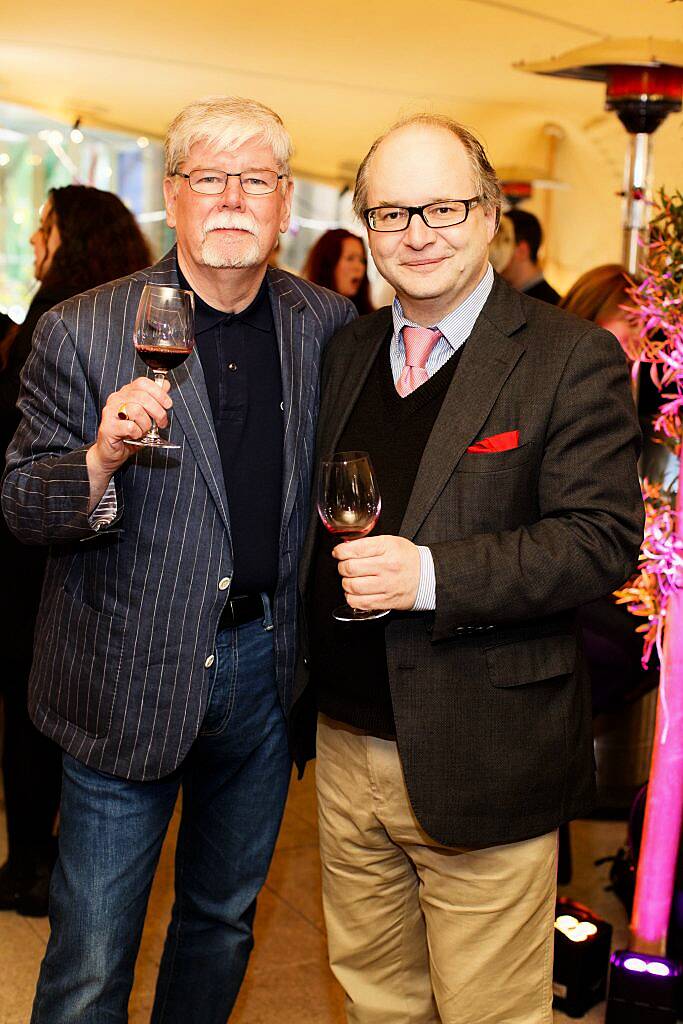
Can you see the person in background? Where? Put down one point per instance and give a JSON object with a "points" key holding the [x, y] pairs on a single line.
{"points": [[613, 648], [600, 295], [6, 323], [523, 271], [502, 244], [338, 260], [85, 237]]}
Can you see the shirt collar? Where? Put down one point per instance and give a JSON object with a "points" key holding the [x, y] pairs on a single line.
{"points": [[257, 314], [456, 326]]}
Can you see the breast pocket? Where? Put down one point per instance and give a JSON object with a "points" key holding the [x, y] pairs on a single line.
{"points": [[487, 493]]}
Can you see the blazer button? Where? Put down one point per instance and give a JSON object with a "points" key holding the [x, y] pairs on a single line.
{"points": [[224, 583], [305, 662], [209, 661]]}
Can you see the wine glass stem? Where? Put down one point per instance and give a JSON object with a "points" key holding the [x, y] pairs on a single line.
{"points": [[159, 378], [355, 612]]}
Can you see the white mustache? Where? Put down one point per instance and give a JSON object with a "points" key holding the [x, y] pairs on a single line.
{"points": [[234, 221]]}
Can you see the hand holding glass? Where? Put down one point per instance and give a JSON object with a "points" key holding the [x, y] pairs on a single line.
{"points": [[349, 505], [163, 338]]}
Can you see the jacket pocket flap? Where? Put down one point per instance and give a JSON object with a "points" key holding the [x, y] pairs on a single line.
{"points": [[531, 660]]}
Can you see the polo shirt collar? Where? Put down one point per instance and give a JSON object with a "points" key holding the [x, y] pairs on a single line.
{"points": [[257, 314]]}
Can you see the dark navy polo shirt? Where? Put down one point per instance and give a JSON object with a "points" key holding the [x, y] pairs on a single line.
{"points": [[240, 358]]}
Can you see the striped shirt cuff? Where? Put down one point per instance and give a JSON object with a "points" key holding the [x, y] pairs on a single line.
{"points": [[106, 509], [425, 599]]}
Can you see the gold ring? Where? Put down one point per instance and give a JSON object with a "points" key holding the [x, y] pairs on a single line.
{"points": [[122, 412]]}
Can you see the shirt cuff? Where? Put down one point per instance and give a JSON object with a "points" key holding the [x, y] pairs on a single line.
{"points": [[106, 509], [425, 599]]}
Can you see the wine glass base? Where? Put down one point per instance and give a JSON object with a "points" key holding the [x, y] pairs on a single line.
{"points": [[150, 443], [347, 614]]}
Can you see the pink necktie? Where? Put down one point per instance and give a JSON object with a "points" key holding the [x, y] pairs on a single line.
{"points": [[419, 342]]}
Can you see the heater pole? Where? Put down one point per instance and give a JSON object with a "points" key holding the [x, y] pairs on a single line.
{"points": [[638, 193]]}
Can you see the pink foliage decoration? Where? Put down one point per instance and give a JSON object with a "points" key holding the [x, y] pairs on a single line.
{"points": [[656, 593], [660, 569], [658, 310], [658, 302]]}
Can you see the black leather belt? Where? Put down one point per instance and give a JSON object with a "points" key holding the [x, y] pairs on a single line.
{"points": [[241, 609]]}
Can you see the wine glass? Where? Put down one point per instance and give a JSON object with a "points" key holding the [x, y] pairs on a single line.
{"points": [[349, 505], [163, 338]]}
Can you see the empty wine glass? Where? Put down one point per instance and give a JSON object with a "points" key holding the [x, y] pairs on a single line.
{"points": [[349, 505]]}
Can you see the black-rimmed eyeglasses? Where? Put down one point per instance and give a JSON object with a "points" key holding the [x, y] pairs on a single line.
{"points": [[445, 214], [213, 183]]}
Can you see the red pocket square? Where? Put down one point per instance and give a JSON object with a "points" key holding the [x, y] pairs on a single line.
{"points": [[497, 442]]}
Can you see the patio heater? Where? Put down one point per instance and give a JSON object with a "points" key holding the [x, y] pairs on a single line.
{"points": [[520, 183], [644, 80], [644, 84]]}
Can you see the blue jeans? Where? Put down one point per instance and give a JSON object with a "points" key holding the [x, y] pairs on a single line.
{"points": [[234, 784]]}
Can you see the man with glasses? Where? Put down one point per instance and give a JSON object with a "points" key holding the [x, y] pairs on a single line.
{"points": [[454, 735], [165, 644]]}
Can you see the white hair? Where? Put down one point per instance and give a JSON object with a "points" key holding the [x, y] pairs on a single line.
{"points": [[227, 122]]}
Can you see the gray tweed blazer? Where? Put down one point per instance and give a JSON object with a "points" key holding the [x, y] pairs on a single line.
{"points": [[490, 695]]}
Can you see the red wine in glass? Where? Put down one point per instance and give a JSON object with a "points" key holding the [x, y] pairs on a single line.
{"points": [[349, 505], [161, 359], [163, 338]]}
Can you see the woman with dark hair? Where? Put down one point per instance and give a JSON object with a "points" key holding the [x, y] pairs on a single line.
{"points": [[338, 261], [85, 237]]}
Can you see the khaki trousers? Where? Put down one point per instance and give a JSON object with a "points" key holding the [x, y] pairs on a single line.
{"points": [[420, 933]]}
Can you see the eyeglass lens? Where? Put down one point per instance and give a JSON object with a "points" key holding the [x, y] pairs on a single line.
{"points": [[254, 183], [439, 215]]}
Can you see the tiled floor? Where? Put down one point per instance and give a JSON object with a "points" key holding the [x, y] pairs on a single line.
{"points": [[288, 981]]}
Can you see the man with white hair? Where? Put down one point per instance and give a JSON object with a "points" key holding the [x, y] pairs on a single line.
{"points": [[165, 643]]}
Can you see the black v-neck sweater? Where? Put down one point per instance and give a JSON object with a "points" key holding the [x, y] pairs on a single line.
{"points": [[348, 660]]}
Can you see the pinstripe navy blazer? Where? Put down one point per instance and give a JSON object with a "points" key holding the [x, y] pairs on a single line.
{"points": [[128, 616]]}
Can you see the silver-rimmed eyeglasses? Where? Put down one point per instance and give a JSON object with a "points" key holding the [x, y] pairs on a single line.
{"points": [[445, 214], [209, 182]]}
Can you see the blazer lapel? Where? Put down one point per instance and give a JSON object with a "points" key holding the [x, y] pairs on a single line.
{"points": [[371, 332], [487, 361], [191, 407], [336, 407]]}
